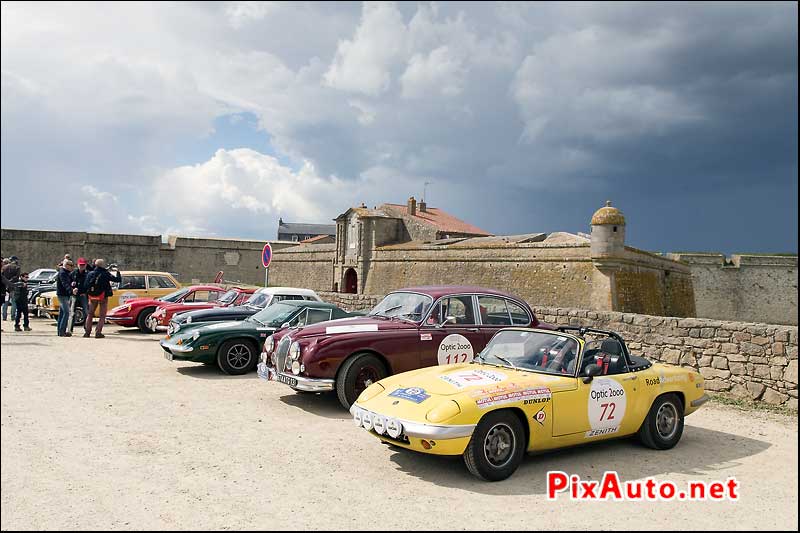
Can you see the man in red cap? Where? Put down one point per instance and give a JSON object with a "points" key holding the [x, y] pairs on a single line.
{"points": [[79, 299]]}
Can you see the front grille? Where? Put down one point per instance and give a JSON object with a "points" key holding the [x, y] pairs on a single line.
{"points": [[283, 350]]}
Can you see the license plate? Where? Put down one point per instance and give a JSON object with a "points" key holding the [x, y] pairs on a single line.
{"points": [[286, 380], [168, 356]]}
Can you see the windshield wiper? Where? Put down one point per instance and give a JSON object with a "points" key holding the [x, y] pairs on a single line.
{"points": [[254, 319], [503, 359]]}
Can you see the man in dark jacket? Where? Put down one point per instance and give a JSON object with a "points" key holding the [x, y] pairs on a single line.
{"points": [[21, 297], [80, 299], [98, 288], [10, 275], [64, 291]]}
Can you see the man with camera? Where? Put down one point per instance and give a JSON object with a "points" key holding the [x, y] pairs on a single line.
{"points": [[98, 288]]}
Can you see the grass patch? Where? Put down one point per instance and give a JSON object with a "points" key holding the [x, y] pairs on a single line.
{"points": [[750, 405]]}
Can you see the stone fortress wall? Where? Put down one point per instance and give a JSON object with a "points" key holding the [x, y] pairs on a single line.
{"points": [[746, 360], [192, 259], [744, 287]]}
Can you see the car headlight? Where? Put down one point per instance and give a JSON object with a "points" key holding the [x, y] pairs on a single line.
{"points": [[188, 320], [195, 335], [294, 351], [379, 424], [275, 360], [269, 344], [370, 392], [296, 368], [394, 428], [443, 411]]}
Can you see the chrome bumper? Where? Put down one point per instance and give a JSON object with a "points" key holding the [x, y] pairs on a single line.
{"points": [[170, 347], [422, 431], [295, 382], [700, 401]]}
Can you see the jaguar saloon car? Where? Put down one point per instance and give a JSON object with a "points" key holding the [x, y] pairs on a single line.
{"points": [[409, 329], [234, 346], [532, 390]]}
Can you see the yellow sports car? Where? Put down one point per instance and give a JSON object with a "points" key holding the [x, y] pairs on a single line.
{"points": [[531, 390]]}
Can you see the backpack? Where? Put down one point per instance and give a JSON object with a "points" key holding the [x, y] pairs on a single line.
{"points": [[93, 284]]}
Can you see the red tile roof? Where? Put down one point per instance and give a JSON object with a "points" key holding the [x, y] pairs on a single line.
{"points": [[315, 239], [442, 221]]}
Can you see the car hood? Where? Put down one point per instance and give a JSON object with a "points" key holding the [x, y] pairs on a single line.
{"points": [[357, 324], [219, 313], [210, 328], [412, 395]]}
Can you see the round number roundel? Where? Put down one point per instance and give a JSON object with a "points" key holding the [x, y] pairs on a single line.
{"points": [[455, 349], [266, 255], [607, 403]]}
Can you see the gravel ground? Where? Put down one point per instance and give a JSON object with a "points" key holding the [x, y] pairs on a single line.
{"points": [[107, 434]]}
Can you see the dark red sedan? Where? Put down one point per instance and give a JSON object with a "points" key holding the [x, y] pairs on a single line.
{"points": [[409, 329]]}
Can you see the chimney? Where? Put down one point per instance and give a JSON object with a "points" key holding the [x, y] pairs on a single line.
{"points": [[423, 207], [412, 206]]}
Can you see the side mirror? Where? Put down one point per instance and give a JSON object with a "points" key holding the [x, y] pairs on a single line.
{"points": [[592, 371], [447, 320]]}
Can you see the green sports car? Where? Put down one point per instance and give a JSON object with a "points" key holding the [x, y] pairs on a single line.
{"points": [[234, 346]]}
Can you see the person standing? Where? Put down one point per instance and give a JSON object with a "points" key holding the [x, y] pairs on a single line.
{"points": [[21, 298], [64, 291], [3, 291], [10, 274], [98, 288], [79, 299]]}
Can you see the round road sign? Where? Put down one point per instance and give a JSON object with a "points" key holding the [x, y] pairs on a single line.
{"points": [[266, 255]]}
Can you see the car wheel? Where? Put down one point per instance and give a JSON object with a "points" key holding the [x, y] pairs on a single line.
{"points": [[497, 446], [79, 318], [236, 357], [356, 374], [663, 426], [141, 320]]}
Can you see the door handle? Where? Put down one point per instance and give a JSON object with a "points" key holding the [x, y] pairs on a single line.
{"points": [[631, 378], [474, 330]]}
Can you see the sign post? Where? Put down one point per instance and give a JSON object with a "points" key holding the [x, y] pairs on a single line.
{"points": [[266, 259]]}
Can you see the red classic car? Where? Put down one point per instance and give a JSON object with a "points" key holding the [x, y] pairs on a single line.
{"points": [[159, 320], [136, 311], [409, 329]]}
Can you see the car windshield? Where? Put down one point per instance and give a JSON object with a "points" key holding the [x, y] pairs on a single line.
{"points": [[258, 299], [548, 353], [174, 296], [403, 304], [275, 315], [41, 274], [228, 297]]}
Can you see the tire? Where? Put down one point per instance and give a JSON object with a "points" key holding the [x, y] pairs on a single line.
{"points": [[237, 356], [356, 374], [497, 446], [663, 426], [141, 320], [79, 318]]}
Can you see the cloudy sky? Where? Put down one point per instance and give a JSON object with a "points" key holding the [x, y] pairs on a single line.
{"points": [[217, 118]]}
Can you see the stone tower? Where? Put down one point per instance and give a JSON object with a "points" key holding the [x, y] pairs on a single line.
{"points": [[608, 232]]}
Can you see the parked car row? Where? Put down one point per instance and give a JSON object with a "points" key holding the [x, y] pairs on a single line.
{"points": [[446, 370], [452, 370]]}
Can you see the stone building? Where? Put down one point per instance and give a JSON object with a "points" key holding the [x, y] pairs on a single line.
{"points": [[300, 231], [392, 246]]}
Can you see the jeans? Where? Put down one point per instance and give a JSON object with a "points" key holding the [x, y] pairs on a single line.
{"points": [[78, 300], [90, 315], [63, 314], [13, 305], [22, 310]]}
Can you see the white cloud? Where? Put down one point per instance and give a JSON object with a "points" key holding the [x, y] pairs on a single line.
{"points": [[241, 13], [438, 73], [363, 64]]}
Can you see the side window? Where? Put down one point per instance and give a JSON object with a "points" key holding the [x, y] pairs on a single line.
{"points": [[161, 282], [519, 316], [493, 311], [201, 296], [242, 298], [318, 315], [213, 296], [299, 320], [607, 354], [459, 307], [132, 283]]}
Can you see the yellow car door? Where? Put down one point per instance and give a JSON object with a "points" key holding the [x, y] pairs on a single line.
{"points": [[604, 407]]}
